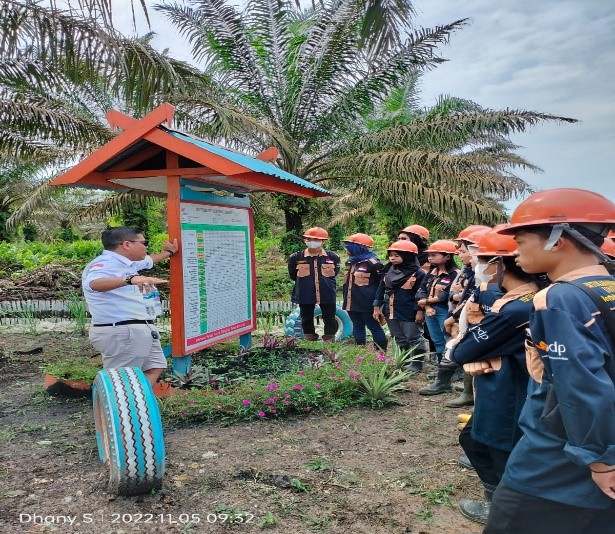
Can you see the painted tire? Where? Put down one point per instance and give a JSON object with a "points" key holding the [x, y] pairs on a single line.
{"points": [[128, 430], [293, 328]]}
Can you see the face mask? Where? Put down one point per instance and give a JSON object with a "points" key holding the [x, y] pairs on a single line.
{"points": [[314, 244], [479, 274]]}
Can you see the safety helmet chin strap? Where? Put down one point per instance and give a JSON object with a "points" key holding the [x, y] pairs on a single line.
{"points": [[558, 229], [499, 277]]}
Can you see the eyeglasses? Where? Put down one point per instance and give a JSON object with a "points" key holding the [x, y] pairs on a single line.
{"points": [[144, 242], [403, 239]]}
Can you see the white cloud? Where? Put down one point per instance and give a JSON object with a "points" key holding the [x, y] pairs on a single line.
{"points": [[548, 56]]}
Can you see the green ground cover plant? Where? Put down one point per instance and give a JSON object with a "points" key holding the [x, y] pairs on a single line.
{"points": [[312, 380]]}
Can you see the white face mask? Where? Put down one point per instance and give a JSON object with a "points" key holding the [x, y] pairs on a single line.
{"points": [[479, 274], [314, 244]]}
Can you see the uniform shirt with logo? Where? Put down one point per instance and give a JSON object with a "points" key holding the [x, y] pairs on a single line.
{"points": [[121, 304], [571, 360], [437, 285], [499, 396], [314, 276], [400, 303], [361, 281]]}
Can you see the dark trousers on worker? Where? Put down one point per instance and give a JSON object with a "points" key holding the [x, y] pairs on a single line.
{"points": [[517, 513], [488, 462], [328, 317]]}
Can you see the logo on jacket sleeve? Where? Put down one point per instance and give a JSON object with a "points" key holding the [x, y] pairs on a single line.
{"points": [[553, 348]]}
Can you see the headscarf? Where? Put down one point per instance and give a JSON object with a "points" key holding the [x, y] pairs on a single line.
{"points": [[396, 275], [358, 252]]}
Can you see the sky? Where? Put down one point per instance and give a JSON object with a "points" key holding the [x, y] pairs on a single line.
{"points": [[549, 56]]}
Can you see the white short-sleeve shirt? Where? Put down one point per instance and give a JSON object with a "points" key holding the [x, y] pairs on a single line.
{"points": [[121, 304]]}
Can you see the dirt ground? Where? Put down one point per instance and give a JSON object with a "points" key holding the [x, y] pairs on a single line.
{"points": [[361, 471]]}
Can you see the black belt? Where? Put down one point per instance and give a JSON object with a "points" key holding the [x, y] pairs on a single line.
{"points": [[130, 321]]}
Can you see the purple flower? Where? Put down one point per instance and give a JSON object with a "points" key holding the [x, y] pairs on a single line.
{"points": [[300, 372], [359, 360], [382, 358], [298, 387], [262, 414], [246, 402], [317, 386], [287, 395]]}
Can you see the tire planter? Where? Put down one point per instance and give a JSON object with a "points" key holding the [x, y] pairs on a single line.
{"points": [[128, 431], [61, 387], [293, 328]]}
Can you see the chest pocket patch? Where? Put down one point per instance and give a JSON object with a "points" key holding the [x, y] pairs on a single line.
{"points": [[361, 279], [409, 284], [533, 361], [328, 269], [303, 270]]}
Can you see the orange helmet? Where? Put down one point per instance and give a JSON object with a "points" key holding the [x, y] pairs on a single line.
{"points": [[316, 233], [444, 246], [418, 230], [472, 233], [562, 205], [403, 246], [494, 243], [360, 239], [608, 247]]}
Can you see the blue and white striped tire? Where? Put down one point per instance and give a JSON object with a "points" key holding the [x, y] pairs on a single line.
{"points": [[128, 430], [293, 328]]}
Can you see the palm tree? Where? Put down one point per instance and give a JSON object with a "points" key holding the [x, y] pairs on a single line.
{"points": [[471, 169], [306, 80], [60, 72]]}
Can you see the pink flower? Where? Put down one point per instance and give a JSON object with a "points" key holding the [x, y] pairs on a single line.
{"points": [[382, 358], [298, 387], [300, 372], [271, 410], [287, 395], [285, 402], [262, 414], [246, 402], [218, 406], [359, 360], [317, 386]]}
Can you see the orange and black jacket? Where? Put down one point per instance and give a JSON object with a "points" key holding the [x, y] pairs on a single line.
{"points": [[361, 281], [314, 277], [437, 285]]}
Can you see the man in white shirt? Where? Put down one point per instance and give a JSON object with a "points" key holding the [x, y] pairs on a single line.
{"points": [[122, 330]]}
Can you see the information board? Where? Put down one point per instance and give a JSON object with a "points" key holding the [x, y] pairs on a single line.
{"points": [[218, 273]]}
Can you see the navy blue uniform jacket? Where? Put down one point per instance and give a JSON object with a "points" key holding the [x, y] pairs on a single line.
{"points": [[437, 285], [314, 276], [499, 396], [400, 303], [572, 356], [361, 281]]}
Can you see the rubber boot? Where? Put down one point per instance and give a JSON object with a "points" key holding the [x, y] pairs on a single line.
{"points": [[360, 343], [435, 359], [310, 337], [327, 338], [467, 396], [442, 383], [382, 344], [416, 365], [464, 462], [478, 511], [459, 374]]}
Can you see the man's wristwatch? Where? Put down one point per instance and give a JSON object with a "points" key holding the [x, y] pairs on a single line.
{"points": [[129, 278], [170, 252]]}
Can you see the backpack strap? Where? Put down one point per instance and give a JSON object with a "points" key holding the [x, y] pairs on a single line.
{"points": [[607, 314]]}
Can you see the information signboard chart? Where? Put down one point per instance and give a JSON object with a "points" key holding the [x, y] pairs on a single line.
{"points": [[218, 273], [128, 430]]}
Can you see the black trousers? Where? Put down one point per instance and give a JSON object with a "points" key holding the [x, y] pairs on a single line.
{"points": [[517, 513], [488, 462], [328, 317]]}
